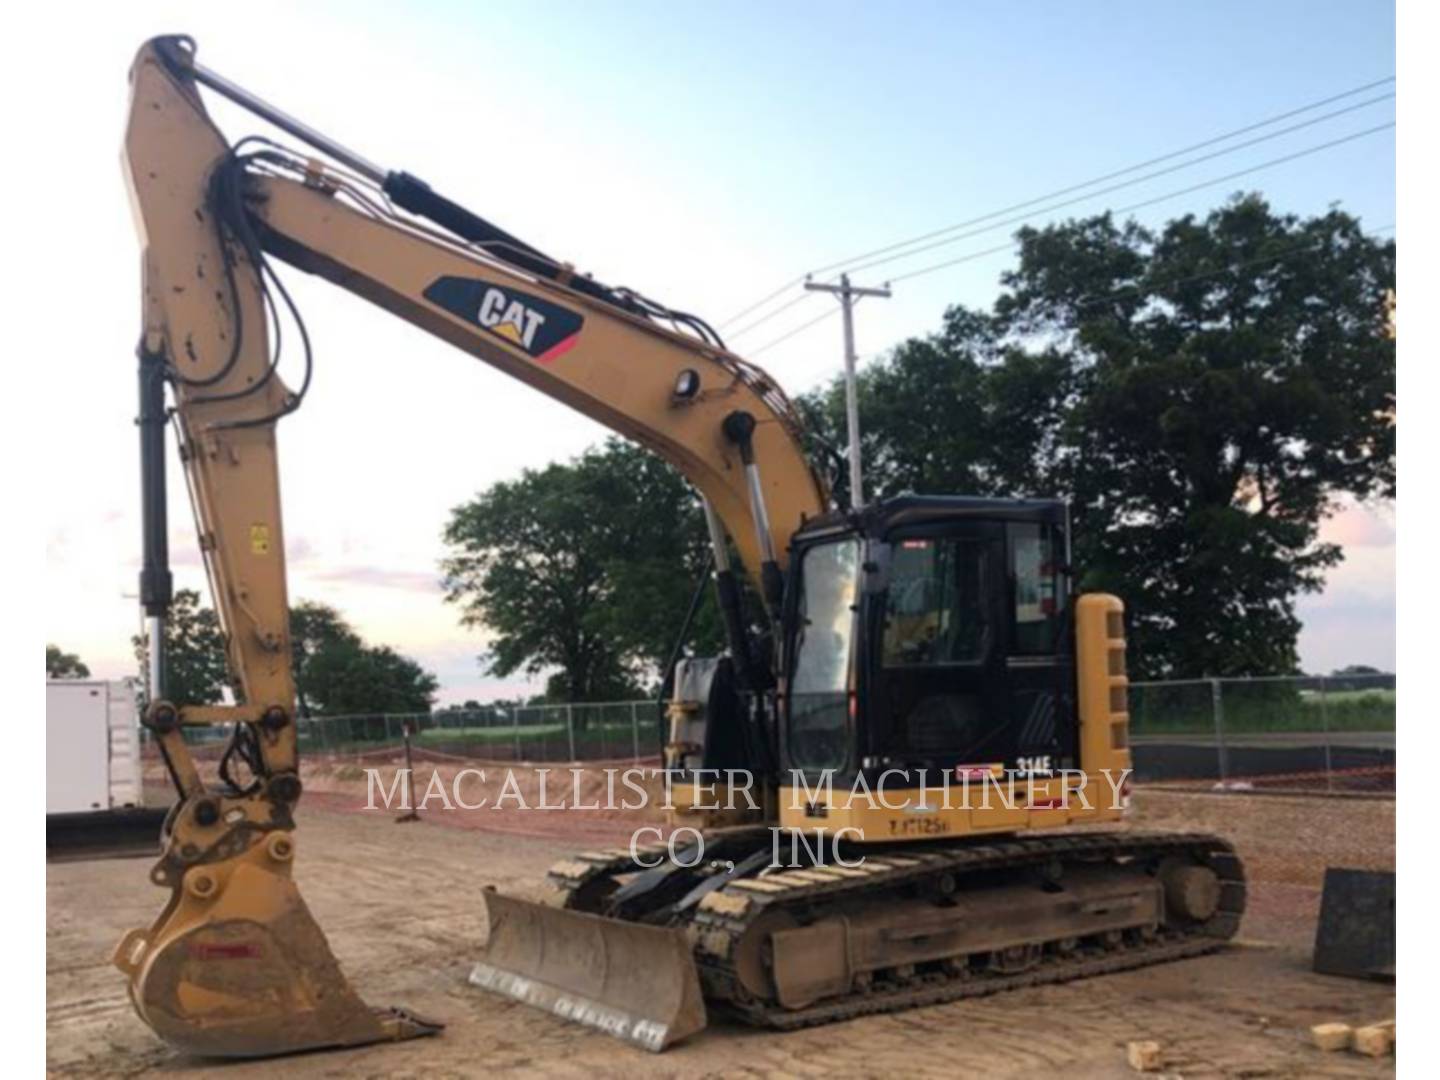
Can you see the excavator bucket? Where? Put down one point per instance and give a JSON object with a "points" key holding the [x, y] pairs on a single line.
{"points": [[236, 966], [632, 981]]}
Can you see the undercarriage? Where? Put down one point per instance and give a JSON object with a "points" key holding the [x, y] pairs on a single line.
{"points": [[890, 927]]}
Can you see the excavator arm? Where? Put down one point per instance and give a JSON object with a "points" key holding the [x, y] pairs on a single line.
{"points": [[235, 964]]}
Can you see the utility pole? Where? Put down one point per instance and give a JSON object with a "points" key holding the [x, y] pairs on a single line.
{"points": [[848, 294]]}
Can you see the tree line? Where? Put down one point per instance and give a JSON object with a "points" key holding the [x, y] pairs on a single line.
{"points": [[336, 672]]}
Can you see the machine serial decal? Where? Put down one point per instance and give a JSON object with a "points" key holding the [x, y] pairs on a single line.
{"points": [[541, 329]]}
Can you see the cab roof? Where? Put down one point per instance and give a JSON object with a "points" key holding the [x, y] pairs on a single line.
{"points": [[880, 517]]}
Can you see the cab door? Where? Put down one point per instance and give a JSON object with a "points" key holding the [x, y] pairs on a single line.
{"points": [[1040, 662], [940, 692]]}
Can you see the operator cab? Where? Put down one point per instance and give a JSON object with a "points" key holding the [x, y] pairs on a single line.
{"points": [[930, 633]]}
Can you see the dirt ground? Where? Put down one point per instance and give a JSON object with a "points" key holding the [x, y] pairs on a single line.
{"points": [[1245, 1012]]}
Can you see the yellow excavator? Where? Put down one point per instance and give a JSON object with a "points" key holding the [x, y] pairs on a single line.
{"points": [[901, 652]]}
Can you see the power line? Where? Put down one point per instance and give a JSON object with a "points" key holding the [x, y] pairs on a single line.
{"points": [[1119, 187], [791, 333], [1011, 245], [763, 319], [1062, 191], [1022, 218], [1168, 195]]}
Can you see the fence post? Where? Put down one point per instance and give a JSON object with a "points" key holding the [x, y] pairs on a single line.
{"points": [[1217, 705], [1325, 727], [635, 730], [570, 728], [515, 729]]}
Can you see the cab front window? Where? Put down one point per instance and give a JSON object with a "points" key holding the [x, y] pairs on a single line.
{"points": [[936, 610]]}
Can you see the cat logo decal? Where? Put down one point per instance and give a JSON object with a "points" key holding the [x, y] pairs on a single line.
{"points": [[539, 328]]}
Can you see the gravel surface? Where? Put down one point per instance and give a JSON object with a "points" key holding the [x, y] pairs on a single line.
{"points": [[399, 905]]}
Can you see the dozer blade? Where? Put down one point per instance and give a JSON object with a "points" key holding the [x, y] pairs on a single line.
{"points": [[632, 981], [236, 966]]}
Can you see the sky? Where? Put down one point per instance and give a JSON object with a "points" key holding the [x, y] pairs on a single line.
{"points": [[705, 154]]}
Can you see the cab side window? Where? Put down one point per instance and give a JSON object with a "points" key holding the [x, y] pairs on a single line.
{"points": [[1039, 591]]}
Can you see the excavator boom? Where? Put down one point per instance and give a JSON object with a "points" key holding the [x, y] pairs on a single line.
{"points": [[235, 964]]}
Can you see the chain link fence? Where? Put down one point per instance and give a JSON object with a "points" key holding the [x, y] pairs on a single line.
{"points": [[1331, 734], [1299, 773], [1308, 734], [598, 731]]}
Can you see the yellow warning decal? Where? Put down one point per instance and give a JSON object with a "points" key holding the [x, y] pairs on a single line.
{"points": [[260, 539]]}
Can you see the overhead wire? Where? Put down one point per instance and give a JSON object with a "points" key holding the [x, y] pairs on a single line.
{"points": [[1145, 165], [1011, 245], [892, 253], [1284, 159], [1024, 204], [1120, 187], [791, 333]]}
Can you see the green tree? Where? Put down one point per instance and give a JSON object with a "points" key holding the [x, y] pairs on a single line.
{"points": [[1355, 669], [582, 569], [1202, 393], [315, 629], [63, 665], [348, 677], [336, 673], [195, 667]]}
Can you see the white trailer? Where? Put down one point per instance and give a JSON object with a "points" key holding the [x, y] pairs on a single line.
{"points": [[94, 794], [92, 746]]}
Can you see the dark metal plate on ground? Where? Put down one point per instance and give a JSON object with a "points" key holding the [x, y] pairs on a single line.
{"points": [[1356, 934]]}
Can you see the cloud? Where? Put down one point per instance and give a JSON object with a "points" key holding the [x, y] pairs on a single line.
{"points": [[1358, 526], [410, 580], [1354, 632], [1353, 620], [298, 549]]}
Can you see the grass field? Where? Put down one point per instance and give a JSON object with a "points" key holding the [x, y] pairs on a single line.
{"points": [[1258, 707]]}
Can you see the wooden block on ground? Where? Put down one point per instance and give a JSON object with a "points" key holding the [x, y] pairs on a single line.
{"points": [[1144, 1056], [1331, 1036], [1374, 1040]]}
